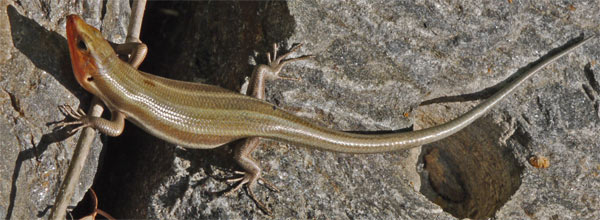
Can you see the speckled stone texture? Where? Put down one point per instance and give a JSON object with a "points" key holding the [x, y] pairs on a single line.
{"points": [[379, 66]]}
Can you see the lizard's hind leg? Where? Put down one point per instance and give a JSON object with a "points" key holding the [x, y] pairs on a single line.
{"points": [[243, 152]]}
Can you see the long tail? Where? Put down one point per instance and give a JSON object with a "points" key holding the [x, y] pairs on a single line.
{"points": [[331, 140]]}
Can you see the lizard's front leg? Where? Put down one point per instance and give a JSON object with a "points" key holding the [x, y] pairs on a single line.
{"points": [[243, 153], [113, 127], [134, 54]]}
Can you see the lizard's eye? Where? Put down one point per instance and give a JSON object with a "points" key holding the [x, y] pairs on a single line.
{"points": [[81, 45]]}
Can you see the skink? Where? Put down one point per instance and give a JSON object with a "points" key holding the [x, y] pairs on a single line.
{"points": [[203, 116]]}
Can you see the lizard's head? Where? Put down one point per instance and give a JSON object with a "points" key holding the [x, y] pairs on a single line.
{"points": [[86, 47]]}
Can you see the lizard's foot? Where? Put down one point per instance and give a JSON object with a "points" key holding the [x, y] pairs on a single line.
{"points": [[277, 63], [249, 180], [79, 116], [270, 71]]}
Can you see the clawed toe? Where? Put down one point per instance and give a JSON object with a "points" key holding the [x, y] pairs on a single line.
{"points": [[268, 184], [277, 63], [250, 181], [79, 116], [240, 182], [67, 110]]}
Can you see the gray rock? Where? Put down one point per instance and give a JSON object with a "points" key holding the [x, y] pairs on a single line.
{"points": [[35, 78]]}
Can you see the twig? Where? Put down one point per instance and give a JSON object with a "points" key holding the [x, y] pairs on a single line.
{"points": [[135, 23], [88, 134], [81, 152]]}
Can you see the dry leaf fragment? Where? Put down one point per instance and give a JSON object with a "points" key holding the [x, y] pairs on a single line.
{"points": [[539, 162]]}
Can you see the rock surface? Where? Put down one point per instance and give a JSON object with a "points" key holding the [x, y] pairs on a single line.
{"points": [[379, 65]]}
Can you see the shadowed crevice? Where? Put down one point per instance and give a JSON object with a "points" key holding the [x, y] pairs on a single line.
{"points": [[471, 174]]}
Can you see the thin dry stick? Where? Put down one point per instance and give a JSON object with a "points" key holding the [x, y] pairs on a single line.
{"points": [[135, 23], [88, 134]]}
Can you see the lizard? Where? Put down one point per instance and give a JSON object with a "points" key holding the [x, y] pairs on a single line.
{"points": [[201, 116]]}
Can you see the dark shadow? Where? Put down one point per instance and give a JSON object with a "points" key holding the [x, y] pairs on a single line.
{"points": [[591, 77], [487, 92], [195, 38], [592, 91], [483, 94], [47, 50]]}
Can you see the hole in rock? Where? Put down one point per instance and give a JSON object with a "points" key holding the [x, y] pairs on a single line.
{"points": [[470, 174]]}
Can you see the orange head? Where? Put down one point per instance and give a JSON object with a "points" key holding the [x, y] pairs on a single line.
{"points": [[88, 49]]}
